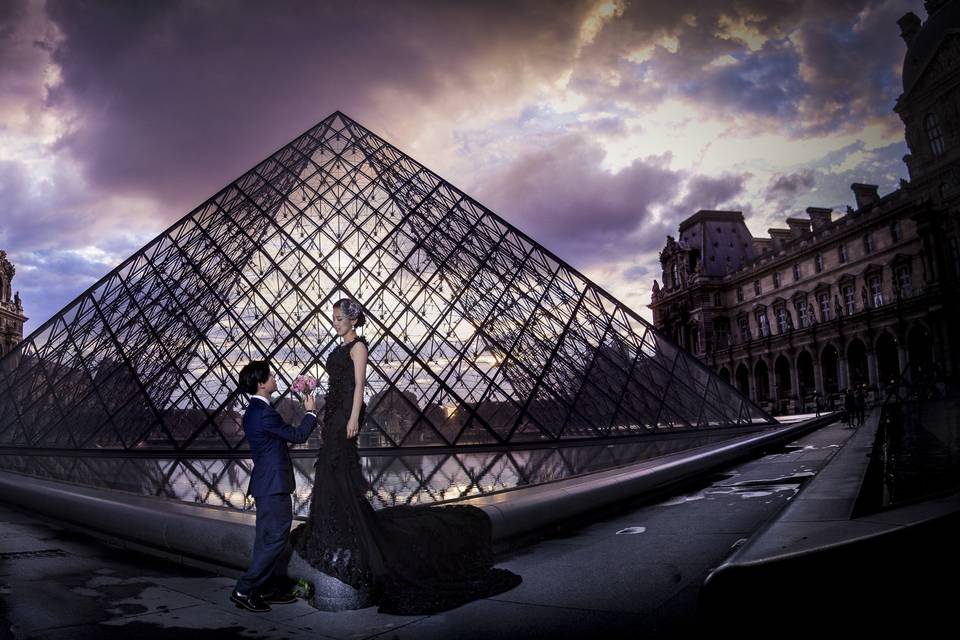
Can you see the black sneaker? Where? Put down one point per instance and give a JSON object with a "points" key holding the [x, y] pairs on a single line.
{"points": [[280, 597], [250, 602]]}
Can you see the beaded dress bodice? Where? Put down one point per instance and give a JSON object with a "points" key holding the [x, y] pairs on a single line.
{"points": [[339, 398]]}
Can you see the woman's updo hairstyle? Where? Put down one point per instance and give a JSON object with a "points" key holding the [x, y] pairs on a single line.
{"points": [[352, 310]]}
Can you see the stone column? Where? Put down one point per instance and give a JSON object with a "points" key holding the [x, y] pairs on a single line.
{"points": [[818, 377], [942, 347], [773, 386], [843, 374], [902, 359], [795, 382], [872, 367]]}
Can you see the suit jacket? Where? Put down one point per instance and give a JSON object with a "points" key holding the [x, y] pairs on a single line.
{"points": [[268, 436]]}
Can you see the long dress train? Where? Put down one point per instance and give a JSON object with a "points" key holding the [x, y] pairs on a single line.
{"points": [[410, 560]]}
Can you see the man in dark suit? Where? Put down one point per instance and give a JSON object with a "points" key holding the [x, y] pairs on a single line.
{"points": [[271, 484]]}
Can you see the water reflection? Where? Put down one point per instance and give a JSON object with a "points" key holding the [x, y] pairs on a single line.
{"points": [[394, 479]]}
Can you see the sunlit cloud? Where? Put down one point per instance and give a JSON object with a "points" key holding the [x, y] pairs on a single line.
{"points": [[612, 118]]}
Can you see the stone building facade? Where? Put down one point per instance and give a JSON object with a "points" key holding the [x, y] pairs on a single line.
{"points": [[830, 301], [11, 309]]}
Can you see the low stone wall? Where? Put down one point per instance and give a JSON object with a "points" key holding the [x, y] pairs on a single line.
{"points": [[194, 534], [884, 570]]}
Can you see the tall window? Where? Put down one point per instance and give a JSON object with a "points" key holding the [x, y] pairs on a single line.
{"points": [[756, 287], [739, 294], [868, 243], [716, 299], [842, 252], [896, 231], [901, 275], [796, 272], [675, 274], [782, 323], [818, 263], [823, 301], [721, 328], [934, 133], [849, 299], [875, 284], [801, 306], [763, 325], [744, 328], [776, 279]]}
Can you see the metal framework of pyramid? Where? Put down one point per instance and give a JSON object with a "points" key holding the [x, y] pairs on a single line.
{"points": [[478, 335]]}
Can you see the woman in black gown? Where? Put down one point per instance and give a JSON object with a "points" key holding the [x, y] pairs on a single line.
{"points": [[409, 560]]}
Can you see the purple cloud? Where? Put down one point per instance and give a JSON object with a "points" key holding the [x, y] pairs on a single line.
{"points": [[637, 272], [881, 166], [177, 99], [48, 280], [851, 59], [563, 198], [823, 66], [23, 56], [789, 186], [161, 104], [39, 218], [708, 192]]}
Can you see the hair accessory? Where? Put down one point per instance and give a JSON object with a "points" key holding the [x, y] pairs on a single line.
{"points": [[350, 308]]}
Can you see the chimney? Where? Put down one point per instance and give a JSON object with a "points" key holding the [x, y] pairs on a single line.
{"points": [[798, 226], [865, 194], [762, 245], [909, 26], [819, 217], [779, 237]]}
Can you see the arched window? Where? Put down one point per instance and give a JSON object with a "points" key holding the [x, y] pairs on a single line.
{"points": [[934, 133]]}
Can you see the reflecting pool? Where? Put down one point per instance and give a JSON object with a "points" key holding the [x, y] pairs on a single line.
{"points": [[428, 477]]}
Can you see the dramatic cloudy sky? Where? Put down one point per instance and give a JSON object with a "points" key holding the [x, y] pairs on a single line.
{"points": [[595, 126]]}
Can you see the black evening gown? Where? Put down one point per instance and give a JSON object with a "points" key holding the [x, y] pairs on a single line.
{"points": [[410, 560]]}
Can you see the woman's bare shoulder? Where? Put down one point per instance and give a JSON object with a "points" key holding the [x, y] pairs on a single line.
{"points": [[359, 346]]}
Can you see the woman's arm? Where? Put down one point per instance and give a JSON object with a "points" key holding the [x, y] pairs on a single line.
{"points": [[358, 353]]}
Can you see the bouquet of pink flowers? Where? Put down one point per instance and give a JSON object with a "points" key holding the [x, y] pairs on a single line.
{"points": [[304, 384]]}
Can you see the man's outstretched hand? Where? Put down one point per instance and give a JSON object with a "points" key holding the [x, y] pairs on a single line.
{"points": [[310, 402]]}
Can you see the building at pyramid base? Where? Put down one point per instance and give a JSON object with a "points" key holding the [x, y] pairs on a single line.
{"points": [[477, 334]]}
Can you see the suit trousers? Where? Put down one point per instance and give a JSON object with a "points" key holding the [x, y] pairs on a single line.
{"points": [[274, 517]]}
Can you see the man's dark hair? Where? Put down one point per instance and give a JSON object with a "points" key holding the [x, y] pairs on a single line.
{"points": [[254, 373]]}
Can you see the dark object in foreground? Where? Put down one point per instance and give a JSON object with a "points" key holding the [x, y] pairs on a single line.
{"points": [[408, 560]]}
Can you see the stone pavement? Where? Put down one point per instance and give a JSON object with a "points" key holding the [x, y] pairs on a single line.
{"points": [[631, 573]]}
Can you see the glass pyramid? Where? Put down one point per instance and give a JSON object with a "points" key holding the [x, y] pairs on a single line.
{"points": [[478, 335]]}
